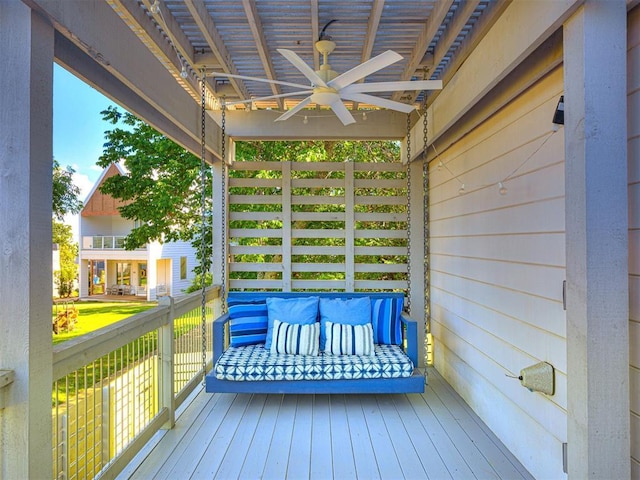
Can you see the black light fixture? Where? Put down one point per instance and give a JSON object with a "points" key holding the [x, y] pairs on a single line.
{"points": [[558, 116]]}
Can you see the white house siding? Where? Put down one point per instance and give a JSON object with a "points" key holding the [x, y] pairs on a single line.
{"points": [[498, 265], [633, 126], [105, 225], [174, 251]]}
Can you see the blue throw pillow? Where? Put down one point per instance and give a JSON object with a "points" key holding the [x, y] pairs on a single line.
{"points": [[385, 317], [295, 339], [349, 339], [352, 311], [247, 322], [300, 310]]}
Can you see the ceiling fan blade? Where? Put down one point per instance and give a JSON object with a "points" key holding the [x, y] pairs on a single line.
{"points": [[259, 99], [378, 102], [292, 111], [256, 79], [393, 86], [305, 69], [367, 68], [342, 113]]}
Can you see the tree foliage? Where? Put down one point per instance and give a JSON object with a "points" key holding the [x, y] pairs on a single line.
{"points": [[68, 249], [162, 187], [65, 192]]}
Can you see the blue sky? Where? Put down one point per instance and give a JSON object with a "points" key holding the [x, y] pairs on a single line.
{"points": [[78, 128], [78, 131]]}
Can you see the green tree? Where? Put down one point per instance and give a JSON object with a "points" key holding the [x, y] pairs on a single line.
{"points": [[68, 249], [65, 192], [162, 188], [65, 201]]}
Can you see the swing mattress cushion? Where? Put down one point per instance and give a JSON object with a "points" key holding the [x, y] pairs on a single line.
{"points": [[255, 363]]}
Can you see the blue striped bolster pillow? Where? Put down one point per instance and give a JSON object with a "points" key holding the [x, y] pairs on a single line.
{"points": [[248, 323], [295, 339], [385, 317], [345, 339]]}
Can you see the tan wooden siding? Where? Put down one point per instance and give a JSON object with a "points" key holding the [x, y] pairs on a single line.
{"points": [[498, 263], [633, 126], [100, 203], [281, 252]]}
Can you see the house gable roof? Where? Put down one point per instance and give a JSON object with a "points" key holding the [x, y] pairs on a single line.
{"points": [[98, 203]]}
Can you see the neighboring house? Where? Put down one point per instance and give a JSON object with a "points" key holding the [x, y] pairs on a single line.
{"points": [[154, 270]]}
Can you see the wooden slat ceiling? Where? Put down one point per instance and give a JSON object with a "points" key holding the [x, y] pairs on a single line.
{"points": [[242, 37]]}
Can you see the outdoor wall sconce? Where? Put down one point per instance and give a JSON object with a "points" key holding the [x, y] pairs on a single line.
{"points": [[558, 115]]}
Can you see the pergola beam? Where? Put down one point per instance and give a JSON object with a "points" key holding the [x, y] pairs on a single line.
{"points": [[144, 28], [424, 39], [207, 27], [168, 106], [257, 31], [260, 125]]}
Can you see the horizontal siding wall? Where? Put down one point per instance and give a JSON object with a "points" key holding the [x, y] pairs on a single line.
{"points": [[633, 126], [318, 226], [498, 266]]}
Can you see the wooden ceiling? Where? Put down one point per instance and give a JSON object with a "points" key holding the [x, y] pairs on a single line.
{"points": [[242, 37]]}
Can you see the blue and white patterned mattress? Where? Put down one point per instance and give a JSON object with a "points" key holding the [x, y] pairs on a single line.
{"points": [[253, 363]]}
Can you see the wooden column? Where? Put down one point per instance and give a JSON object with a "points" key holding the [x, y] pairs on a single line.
{"points": [[417, 254], [596, 241], [26, 94], [218, 224]]}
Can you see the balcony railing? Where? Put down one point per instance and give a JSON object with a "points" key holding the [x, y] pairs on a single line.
{"points": [[116, 387], [105, 242]]}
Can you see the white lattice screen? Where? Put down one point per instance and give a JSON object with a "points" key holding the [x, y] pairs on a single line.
{"points": [[338, 226]]}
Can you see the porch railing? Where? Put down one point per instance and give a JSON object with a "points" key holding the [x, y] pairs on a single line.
{"points": [[116, 387], [105, 242]]}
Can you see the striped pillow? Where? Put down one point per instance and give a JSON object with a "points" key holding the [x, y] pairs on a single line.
{"points": [[295, 339], [248, 323], [345, 339], [385, 317]]}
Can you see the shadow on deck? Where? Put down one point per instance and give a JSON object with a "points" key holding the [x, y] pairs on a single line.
{"points": [[434, 435]]}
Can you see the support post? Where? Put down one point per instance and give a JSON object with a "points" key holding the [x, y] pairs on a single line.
{"points": [[26, 97], [166, 362], [596, 241], [417, 255], [217, 224]]}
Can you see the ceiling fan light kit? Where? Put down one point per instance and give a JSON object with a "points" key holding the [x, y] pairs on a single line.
{"points": [[329, 88]]}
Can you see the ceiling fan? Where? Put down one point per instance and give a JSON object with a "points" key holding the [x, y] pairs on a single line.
{"points": [[329, 89]]}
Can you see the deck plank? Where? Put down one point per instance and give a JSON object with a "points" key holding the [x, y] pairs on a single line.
{"points": [[422, 442], [478, 464], [217, 446], [341, 447], [363, 454], [254, 465], [388, 464], [432, 435], [321, 459], [278, 456], [408, 458], [457, 466], [238, 450], [300, 454], [479, 433]]}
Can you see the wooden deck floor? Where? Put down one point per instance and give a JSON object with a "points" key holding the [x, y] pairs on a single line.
{"points": [[228, 436]]}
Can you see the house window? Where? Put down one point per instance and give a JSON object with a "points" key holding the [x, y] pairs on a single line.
{"points": [[183, 268]]}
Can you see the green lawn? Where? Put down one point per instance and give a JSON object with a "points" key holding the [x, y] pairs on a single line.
{"points": [[95, 315]]}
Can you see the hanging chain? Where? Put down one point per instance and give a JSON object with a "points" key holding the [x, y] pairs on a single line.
{"points": [[203, 232], [409, 213], [425, 224], [223, 213]]}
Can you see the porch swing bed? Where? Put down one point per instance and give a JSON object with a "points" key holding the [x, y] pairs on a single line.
{"points": [[250, 364], [307, 343]]}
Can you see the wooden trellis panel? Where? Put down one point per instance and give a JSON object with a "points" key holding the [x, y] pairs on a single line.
{"points": [[338, 226]]}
